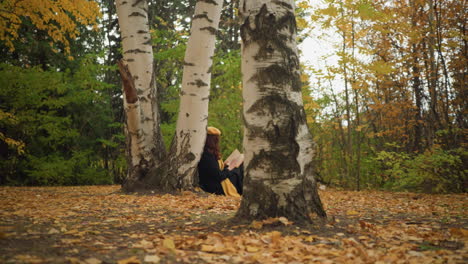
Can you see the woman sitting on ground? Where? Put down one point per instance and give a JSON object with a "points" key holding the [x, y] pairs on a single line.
{"points": [[214, 175]]}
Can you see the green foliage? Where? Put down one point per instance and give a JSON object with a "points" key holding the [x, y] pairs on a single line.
{"points": [[56, 170], [64, 121], [169, 59], [225, 109], [391, 167], [434, 171], [225, 106]]}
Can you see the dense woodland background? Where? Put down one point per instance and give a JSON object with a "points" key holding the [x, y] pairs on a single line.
{"points": [[392, 113]]}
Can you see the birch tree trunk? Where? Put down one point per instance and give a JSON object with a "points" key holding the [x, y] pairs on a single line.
{"points": [[193, 111], [177, 170], [144, 141], [278, 147]]}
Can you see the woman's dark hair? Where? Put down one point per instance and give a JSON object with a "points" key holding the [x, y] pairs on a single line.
{"points": [[212, 145]]}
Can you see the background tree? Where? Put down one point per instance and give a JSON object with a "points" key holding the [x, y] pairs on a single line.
{"points": [[53, 131], [394, 100]]}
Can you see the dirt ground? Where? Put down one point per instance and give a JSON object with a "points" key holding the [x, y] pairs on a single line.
{"points": [[100, 224]]}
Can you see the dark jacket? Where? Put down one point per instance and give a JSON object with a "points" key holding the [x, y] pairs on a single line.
{"points": [[211, 175]]}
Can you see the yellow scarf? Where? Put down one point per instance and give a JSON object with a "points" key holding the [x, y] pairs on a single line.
{"points": [[228, 188]]}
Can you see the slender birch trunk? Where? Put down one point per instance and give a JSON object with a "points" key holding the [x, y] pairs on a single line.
{"points": [[144, 142], [278, 147], [194, 97]]}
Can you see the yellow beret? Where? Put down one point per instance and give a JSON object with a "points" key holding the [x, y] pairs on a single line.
{"points": [[213, 131]]}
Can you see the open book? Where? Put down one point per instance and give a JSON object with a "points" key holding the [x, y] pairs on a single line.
{"points": [[234, 160]]}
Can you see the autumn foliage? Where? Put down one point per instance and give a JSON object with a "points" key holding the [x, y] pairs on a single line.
{"points": [[395, 90], [59, 18]]}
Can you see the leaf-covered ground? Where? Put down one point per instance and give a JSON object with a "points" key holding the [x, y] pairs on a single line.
{"points": [[99, 224]]}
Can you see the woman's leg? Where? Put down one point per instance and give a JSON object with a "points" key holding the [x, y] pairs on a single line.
{"points": [[237, 178]]}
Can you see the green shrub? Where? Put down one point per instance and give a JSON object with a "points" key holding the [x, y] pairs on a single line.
{"points": [[57, 170], [434, 171]]}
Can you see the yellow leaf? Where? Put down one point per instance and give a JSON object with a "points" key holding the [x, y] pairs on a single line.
{"points": [[330, 11], [130, 260], [207, 248], [168, 243], [53, 231], [93, 261], [73, 261], [252, 249], [218, 247], [145, 244], [351, 212], [285, 221], [152, 259], [29, 259], [71, 232], [275, 236]]}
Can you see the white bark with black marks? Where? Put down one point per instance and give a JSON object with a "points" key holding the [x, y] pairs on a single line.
{"points": [[279, 179], [132, 113], [193, 112], [140, 102]]}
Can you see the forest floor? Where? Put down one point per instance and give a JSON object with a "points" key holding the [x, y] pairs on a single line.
{"points": [[100, 224]]}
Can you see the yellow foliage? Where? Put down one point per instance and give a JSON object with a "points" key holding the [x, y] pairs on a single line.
{"points": [[304, 78], [381, 67], [329, 11], [301, 23], [59, 18], [304, 5], [17, 145]]}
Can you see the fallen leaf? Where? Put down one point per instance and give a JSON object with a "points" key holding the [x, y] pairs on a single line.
{"points": [[168, 243], [415, 253], [152, 259], [310, 238], [285, 221], [459, 232], [145, 244], [275, 236], [93, 261], [252, 249], [130, 260], [207, 248], [53, 231], [256, 224], [74, 261], [351, 212], [29, 259]]}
